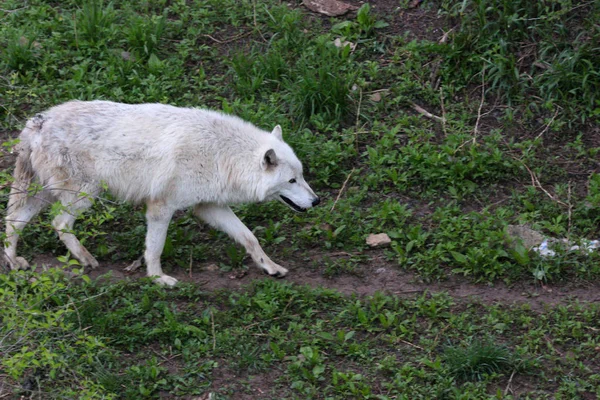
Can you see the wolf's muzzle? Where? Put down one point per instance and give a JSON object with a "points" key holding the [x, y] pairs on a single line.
{"points": [[293, 205]]}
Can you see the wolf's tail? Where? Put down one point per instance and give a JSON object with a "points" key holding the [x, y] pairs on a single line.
{"points": [[24, 172]]}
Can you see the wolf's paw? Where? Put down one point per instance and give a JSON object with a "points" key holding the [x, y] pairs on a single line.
{"points": [[276, 271], [16, 263], [91, 262], [87, 260], [165, 280]]}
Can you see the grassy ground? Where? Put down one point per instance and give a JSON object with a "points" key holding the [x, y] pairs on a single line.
{"points": [[439, 123]]}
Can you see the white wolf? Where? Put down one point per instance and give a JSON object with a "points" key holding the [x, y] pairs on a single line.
{"points": [[167, 157]]}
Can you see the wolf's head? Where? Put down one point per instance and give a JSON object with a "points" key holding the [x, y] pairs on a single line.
{"points": [[284, 175]]}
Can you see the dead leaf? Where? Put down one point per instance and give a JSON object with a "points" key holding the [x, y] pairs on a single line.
{"points": [[212, 267], [338, 43], [134, 265], [238, 275]]}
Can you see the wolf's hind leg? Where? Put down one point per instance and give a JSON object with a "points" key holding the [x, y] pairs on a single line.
{"points": [[74, 204], [22, 207], [158, 217], [221, 217]]}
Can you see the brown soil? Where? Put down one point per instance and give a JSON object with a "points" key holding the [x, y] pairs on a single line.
{"points": [[416, 20], [376, 275]]}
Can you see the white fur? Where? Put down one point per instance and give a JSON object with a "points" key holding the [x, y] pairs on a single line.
{"points": [[166, 157]]}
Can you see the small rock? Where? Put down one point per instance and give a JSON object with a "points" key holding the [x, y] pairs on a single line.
{"points": [[331, 8], [326, 227], [378, 240], [528, 236], [376, 97], [380, 270], [127, 56], [24, 42]]}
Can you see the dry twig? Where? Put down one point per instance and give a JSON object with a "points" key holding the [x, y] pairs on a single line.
{"points": [[212, 323], [545, 128], [443, 111], [426, 113], [341, 190], [509, 382], [411, 344], [535, 182], [476, 129], [231, 39]]}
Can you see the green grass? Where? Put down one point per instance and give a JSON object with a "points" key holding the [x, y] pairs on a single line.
{"points": [[516, 84], [137, 340]]}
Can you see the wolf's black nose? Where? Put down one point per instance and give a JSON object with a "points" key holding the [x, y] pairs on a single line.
{"points": [[316, 201]]}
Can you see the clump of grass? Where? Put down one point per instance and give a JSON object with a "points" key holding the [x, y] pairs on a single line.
{"points": [[94, 20], [20, 54], [144, 34], [313, 77], [321, 84], [546, 49], [478, 360]]}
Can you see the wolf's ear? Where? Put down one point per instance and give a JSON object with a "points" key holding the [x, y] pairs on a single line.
{"points": [[277, 132], [269, 160]]}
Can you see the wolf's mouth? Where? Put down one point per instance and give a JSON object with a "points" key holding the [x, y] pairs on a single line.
{"points": [[293, 205]]}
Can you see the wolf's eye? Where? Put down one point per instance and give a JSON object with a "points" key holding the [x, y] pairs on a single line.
{"points": [[292, 180]]}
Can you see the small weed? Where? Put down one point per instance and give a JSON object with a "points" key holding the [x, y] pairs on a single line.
{"points": [[367, 22], [340, 266], [236, 256]]}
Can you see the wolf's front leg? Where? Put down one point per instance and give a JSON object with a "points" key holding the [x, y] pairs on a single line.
{"points": [[221, 217], [158, 217]]}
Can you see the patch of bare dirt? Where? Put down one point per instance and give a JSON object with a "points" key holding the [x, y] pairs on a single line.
{"points": [[416, 20], [246, 386], [376, 275]]}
